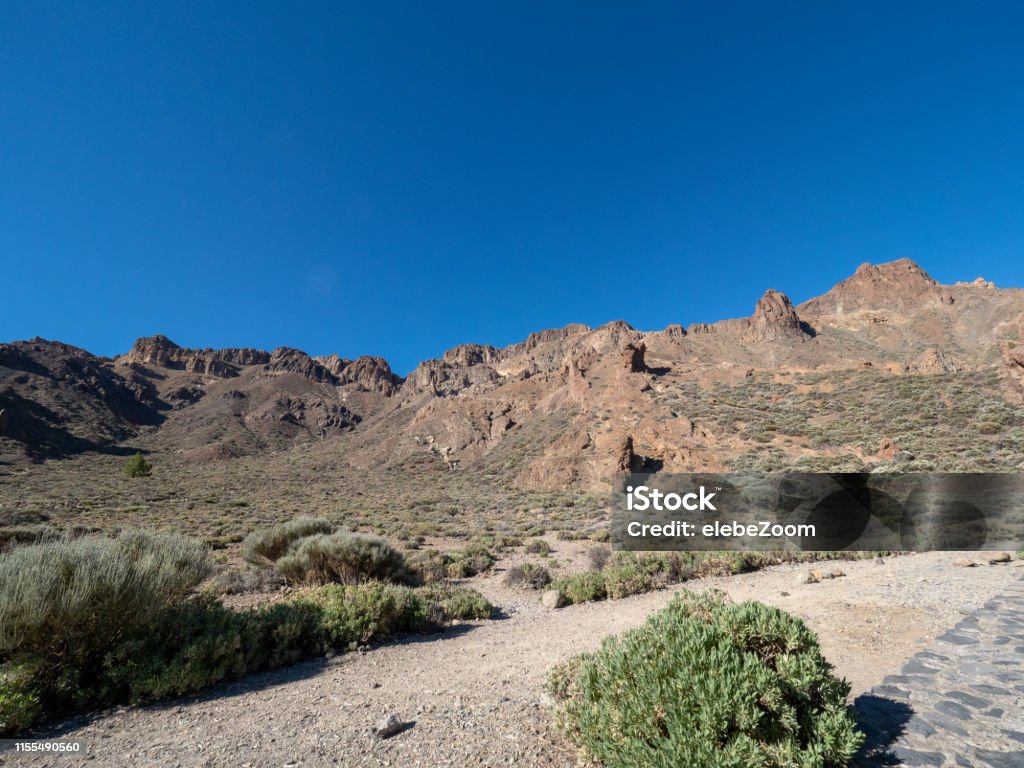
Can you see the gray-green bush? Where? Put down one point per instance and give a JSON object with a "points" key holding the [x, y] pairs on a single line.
{"points": [[707, 684], [264, 548], [76, 596], [342, 558]]}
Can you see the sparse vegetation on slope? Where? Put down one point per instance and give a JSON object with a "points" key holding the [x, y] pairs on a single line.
{"points": [[707, 684]]}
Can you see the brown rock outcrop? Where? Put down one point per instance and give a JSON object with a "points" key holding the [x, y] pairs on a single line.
{"points": [[369, 374], [934, 361], [441, 378], [774, 318], [1013, 365], [288, 360], [895, 285], [625, 459], [633, 357], [160, 351], [471, 354]]}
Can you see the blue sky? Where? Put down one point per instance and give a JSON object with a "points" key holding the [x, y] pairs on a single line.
{"points": [[397, 178]]}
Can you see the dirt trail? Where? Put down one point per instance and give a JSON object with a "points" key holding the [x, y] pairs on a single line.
{"points": [[475, 694]]}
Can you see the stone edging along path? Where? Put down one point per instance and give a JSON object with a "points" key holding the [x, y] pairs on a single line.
{"points": [[958, 703]]}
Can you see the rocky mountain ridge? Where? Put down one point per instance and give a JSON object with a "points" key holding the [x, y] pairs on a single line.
{"points": [[566, 406]]}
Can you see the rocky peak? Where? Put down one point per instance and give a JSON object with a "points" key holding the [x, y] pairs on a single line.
{"points": [[774, 318], [288, 360], [370, 374], [471, 354], [153, 350], [162, 352], [894, 285]]}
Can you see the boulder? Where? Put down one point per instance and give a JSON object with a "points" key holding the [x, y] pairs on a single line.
{"points": [[553, 599]]}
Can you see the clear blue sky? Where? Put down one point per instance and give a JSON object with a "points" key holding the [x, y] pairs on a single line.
{"points": [[397, 178]]}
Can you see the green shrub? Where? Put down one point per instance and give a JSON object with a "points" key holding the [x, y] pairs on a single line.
{"points": [[194, 645], [351, 616], [582, 587], [471, 561], [137, 466], [342, 558], [458, 603], [625, 580], [19, 698], [266, 547], [706, 684], [477, 559]]}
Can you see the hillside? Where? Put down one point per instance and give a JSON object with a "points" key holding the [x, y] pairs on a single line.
{"points": [[886, 368]]}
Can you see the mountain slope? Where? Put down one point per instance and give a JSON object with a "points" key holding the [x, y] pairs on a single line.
{"points": [[568, 407]]}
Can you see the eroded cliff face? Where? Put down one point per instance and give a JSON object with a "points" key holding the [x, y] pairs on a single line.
{"points": [[568, 406]]}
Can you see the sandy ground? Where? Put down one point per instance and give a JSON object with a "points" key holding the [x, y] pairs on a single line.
{"points": [[475, 694]]}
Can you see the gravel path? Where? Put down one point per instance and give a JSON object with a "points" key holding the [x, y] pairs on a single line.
{"points": [[959, 703], [475, 693]]}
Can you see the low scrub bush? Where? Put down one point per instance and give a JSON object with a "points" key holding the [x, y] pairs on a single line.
{"points": [[72, 598], [266, 547], [471, 561], [704, 683], [351, 616], [342, 558], [625, 580], [458, 603], [582, 587], [538, 547], [528, 575], [65, 604], [427, 566], [628, 573], [95, 622]]}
